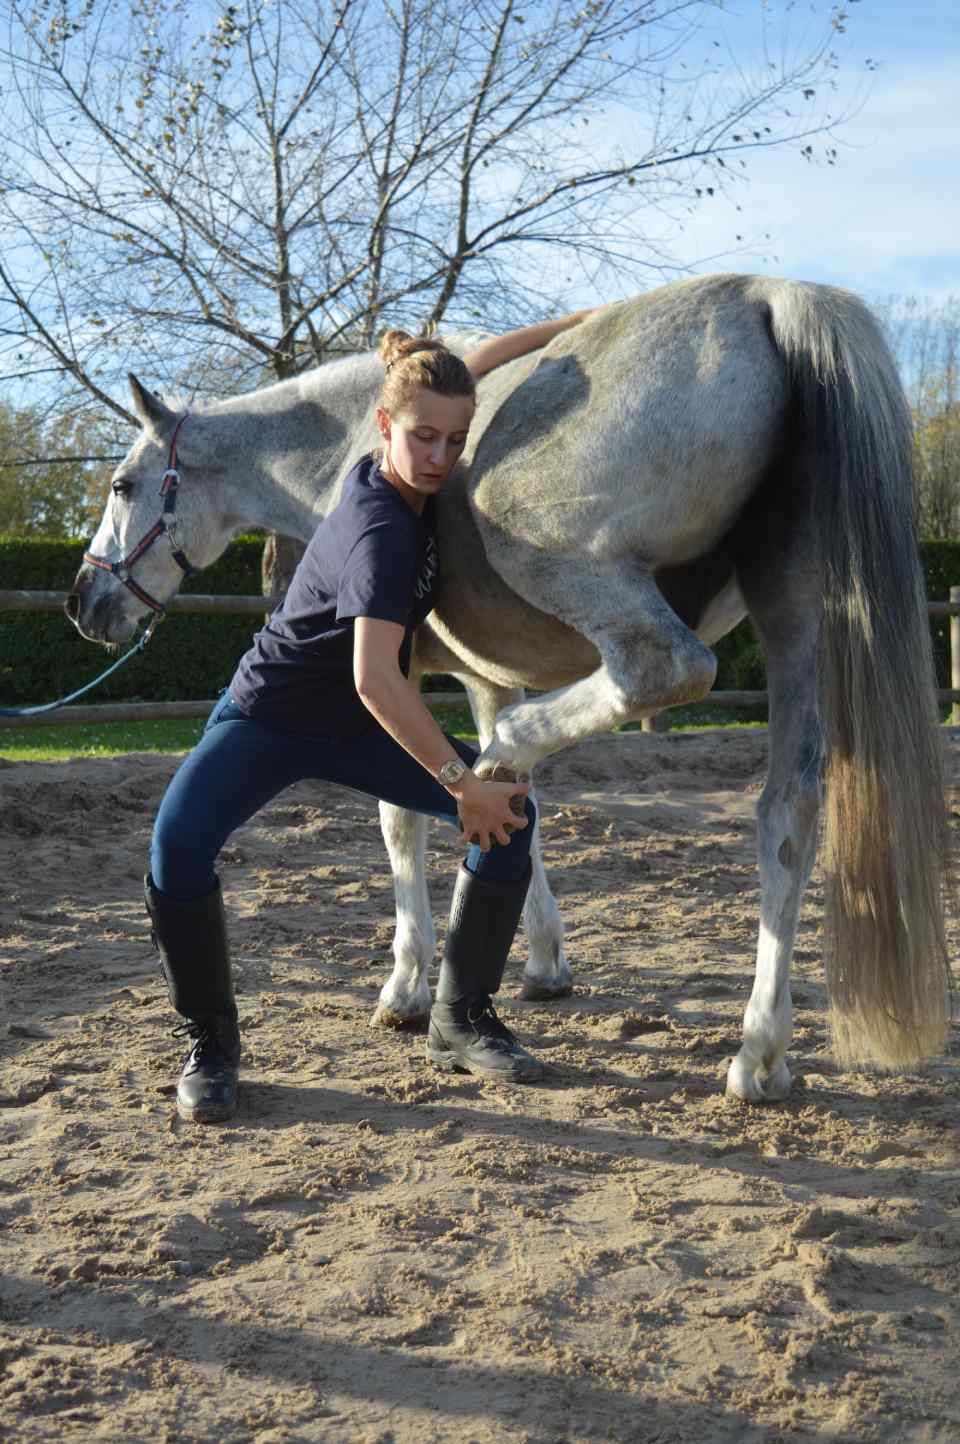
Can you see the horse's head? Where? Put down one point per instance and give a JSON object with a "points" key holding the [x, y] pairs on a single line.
{"points": [[159, 523]]}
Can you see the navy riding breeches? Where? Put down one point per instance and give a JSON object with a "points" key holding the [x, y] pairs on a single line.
{"points": [[239, 765]]}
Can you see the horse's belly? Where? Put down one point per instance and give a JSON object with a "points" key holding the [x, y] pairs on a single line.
{"points": [[494, 631]]}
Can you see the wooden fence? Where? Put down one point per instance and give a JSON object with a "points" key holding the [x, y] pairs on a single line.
{"points": [[256, 606]]}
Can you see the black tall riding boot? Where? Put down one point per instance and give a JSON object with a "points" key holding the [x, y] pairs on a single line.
{"points": [[465, 1032], [191, 938]]}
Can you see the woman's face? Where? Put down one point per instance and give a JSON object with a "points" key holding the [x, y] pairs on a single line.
{"points": [[422, 443]]}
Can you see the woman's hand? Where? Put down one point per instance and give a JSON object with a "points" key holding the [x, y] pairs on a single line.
{"points": [[484, 807], [485, 810]]}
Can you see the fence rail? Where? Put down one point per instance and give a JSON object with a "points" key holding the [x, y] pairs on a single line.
{"points": [[197, 603]]}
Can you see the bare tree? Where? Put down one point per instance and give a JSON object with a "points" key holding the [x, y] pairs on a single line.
{"points": [[219, 194]]}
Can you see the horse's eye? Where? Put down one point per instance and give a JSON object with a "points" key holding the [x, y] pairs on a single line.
{"points": [[122, 488]]}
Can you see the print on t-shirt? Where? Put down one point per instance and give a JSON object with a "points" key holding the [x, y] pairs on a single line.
{"points": [[424, 582]]}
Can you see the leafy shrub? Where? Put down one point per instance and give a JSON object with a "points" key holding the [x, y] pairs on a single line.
{"points": [[190, 657]]}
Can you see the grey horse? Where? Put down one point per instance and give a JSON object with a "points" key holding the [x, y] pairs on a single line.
{"points": [[718, 447]]}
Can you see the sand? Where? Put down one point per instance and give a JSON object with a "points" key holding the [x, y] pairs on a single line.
{"points": [[377, 1252]]}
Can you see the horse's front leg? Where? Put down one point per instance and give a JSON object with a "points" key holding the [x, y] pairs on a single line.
{"points": [[547, 972], [405, 996]]}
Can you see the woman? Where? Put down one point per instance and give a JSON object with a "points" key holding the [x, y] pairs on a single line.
{"points": [[323, 692]]}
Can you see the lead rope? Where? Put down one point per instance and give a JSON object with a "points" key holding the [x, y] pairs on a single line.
{"points": [[169, 484], [71, 696]]}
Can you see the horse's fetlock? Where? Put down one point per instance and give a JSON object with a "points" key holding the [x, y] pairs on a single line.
{"points": [[412, 947]]}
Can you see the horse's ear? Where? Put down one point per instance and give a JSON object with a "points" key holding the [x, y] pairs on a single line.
{"points": [[154, 416]]}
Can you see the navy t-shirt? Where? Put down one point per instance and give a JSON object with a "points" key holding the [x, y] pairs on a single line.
{"points": [[372, 556]]}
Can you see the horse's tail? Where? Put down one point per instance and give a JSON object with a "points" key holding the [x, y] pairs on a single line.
{"points": [[886, 848]]}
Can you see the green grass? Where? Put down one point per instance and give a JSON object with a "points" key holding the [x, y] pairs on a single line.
{"points": [[702, 715], [97, 739], [111, 739]]}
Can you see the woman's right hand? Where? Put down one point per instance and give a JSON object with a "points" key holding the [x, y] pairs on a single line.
{"points": [[485, 811]]}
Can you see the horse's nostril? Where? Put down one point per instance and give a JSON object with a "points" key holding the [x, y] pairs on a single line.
{"points": [[72, 606]]}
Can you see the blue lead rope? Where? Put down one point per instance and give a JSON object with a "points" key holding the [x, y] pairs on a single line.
{"points": [[72, 696]]}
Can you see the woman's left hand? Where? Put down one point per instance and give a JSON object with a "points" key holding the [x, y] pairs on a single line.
{"points": [[490, 811]]}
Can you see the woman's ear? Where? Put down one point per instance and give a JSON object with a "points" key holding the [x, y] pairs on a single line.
{"points": [[383, 422]]}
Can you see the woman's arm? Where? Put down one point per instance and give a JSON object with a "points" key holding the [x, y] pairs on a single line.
{"points": [[493, 353], [484, 807]]}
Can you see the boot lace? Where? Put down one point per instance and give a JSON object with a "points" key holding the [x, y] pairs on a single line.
{"points": [[208, 1050], [482, 1017]]}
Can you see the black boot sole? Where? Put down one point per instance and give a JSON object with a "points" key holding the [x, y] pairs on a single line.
{"points": [[450, 1062], [207, 1115]]}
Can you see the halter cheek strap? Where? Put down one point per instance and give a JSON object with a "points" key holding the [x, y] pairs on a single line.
{"points": [[165, 523]]}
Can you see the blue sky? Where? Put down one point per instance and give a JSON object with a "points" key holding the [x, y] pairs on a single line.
{"points": [[886, 218]]}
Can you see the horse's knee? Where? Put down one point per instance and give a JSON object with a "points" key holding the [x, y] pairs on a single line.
{"points": [[403, 831]]}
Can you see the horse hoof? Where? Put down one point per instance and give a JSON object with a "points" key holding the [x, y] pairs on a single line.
{"points": [[535, 991], [384, 1017], [757, 1087], [498, 772]]}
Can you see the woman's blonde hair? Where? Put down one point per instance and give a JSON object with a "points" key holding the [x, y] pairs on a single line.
{"points": [[413, 361]]}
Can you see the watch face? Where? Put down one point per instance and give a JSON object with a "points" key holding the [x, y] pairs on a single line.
{"points": [[452, 771]]}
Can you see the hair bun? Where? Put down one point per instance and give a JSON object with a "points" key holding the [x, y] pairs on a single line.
{"points": [[412, 362], [396, 345], [392, 346]]}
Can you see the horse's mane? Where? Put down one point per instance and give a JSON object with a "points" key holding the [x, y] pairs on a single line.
{"points": [[458, 341]]}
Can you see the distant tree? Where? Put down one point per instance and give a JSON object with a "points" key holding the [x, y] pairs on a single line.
{"points": [[39, 494], [938, 461], [925, 337]]}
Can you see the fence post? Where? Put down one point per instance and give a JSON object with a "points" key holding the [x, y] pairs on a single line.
{"points": [[954, 656]]}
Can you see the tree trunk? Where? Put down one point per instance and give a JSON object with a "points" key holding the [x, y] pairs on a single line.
{"points": [[280, 557]]}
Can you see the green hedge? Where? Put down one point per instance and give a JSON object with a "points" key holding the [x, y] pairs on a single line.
{"points": [[941, 565], [42, 657], [740, 656]]}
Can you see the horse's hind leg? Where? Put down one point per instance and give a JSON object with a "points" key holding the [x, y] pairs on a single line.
{"points": [[786, 846], [547, 972], [649, 660]]}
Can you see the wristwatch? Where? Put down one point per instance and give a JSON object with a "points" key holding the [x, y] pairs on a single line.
{"points": [[451, 772]]}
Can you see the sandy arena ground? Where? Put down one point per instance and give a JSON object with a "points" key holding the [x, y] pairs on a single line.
{"points": [[377, 1252]]}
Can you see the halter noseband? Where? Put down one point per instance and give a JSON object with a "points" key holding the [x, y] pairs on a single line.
{"points": [[169, 483]]}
